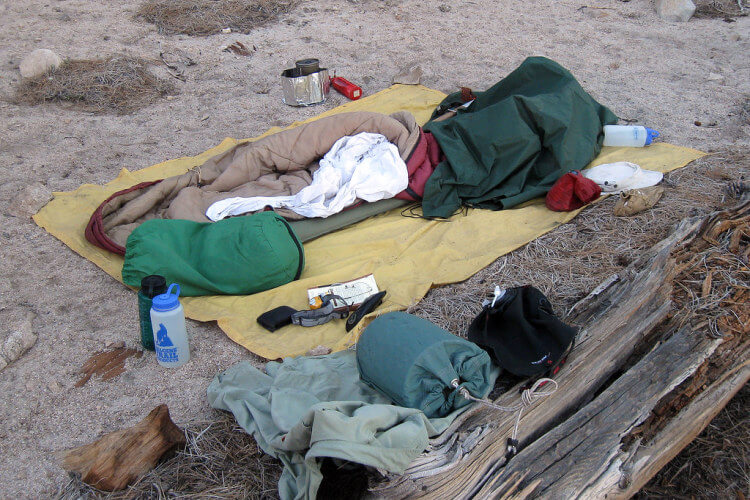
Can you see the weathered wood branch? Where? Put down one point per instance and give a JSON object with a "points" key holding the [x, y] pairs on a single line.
{"points": [[595, 448], [120, 457]]}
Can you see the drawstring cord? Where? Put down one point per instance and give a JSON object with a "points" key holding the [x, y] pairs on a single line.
{"points": [[528, 398]]}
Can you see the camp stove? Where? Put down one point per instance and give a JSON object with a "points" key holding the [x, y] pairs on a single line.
{"points": [[306, 84]]}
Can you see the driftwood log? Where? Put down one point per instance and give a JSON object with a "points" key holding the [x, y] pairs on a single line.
{"points": [[663, 347], [119, 458]]}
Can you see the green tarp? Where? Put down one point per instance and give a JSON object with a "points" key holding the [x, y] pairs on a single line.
{"points": [[515, 140]]}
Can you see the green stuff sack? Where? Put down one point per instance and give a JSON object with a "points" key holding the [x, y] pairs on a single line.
{"points": [[236, 256], [413, 362]]}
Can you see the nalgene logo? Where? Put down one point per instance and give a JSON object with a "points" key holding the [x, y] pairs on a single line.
{"points": [[167, 355]]}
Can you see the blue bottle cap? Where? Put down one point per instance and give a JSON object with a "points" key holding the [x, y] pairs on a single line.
{"points": [[167, 301], [651, 134]]}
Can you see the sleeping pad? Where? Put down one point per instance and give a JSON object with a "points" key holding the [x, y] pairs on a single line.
{"points": [[514, 141], [305, 409]]}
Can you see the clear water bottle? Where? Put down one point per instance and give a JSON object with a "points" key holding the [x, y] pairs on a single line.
{"points": [[168, 324], [629, 135]]}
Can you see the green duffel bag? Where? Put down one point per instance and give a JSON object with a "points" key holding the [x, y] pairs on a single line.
{"points": [[236, 256]]}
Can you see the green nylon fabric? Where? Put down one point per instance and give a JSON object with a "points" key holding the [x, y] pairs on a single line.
{"points": [[413, 361], [515, 140], [305, 409], [236, 256]]}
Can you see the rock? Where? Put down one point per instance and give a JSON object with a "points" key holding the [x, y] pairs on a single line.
{"points": [[319, 350], [38, 62], [30, 200], [679, 11], [21, 338], [410, 75], [444, 8], [120, 344]]}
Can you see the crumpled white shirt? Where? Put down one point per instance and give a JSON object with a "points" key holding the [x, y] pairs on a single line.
{"points": [[364, 166]]}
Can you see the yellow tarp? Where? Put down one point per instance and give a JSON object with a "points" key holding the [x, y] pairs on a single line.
{"points": [[407, 256]]}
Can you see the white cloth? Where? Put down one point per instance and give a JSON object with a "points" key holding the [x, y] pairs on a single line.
{"points": [[622, 176], [364, 166]]}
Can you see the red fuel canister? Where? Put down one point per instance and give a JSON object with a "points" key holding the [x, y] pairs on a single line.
{"points": [[346, 87]]}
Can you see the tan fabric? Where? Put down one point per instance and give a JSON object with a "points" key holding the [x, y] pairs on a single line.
{"points": [[277, 165]]}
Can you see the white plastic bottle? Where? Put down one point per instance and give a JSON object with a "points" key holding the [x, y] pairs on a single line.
{"points": [[170, 335], [629, 135]]}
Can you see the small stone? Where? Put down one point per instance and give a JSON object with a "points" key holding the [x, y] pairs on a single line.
{"points": [[319, 350], [679, 11], [21, 338], [226, 30], [54, 386], [120, 344], [697, 123], [714, 77], [38, 62], [30, 200], [444, 8], [409, 75]]}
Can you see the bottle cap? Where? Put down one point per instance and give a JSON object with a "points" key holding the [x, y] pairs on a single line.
{"points": [[651, 134], [153, 285], [167, 301]]}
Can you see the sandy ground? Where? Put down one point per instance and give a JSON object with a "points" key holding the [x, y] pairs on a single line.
{"points": [[664, 75]]}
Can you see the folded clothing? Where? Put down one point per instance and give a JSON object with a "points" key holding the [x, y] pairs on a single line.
{"points": [[305, 409], [237, 256]]}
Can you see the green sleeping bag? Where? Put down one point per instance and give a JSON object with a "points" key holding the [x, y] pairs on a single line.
{"points": [[236, 256], [413, 362]]}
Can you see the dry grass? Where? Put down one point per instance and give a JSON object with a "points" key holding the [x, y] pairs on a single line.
{"points": [[566, 264], [219, 461], [208, 17], [727, 9], [119, 84]]}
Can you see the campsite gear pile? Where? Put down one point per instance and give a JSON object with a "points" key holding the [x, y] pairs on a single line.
{"points": [[508, 146], [170, 335], [151, 286], [407, 381], [531, 133]]}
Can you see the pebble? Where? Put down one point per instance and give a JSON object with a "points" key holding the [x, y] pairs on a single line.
{"points": [[21, 338]]}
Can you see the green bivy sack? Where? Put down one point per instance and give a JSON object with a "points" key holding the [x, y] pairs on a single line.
{"points": [[515, 140], [236, 256], [413, 362]]}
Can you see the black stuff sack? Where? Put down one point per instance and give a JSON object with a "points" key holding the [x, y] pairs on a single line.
{"points": [[521, 333]]}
